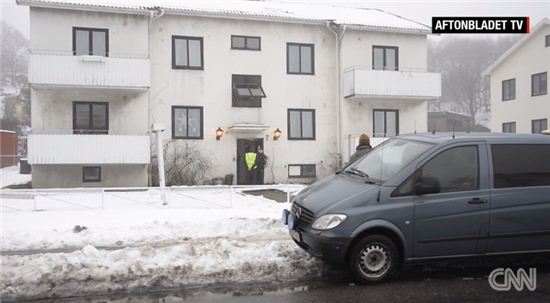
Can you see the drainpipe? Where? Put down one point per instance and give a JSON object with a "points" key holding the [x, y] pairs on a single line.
{"points": [[159, 128], [339, 36], [153, 15]]}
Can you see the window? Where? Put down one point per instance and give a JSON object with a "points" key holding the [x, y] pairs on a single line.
{"points": [[187, 52], [457, 169], [91, 174], [300, 58], [385, 57], [246, 43], [301, 170], [509, 127], [247, 90], [521, 165], [187, 122], [385, 123], [90, 41], [301, 124], [538, 126], [547, 41], [90, 117], [539, 84], [508, 89]]}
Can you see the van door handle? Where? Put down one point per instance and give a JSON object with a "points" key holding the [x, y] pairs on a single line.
{"points": [[478, 201]]}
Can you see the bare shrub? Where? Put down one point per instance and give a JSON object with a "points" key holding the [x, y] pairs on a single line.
{"points": [[184, 164]]}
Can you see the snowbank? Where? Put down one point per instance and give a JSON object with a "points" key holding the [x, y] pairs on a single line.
{"points": [[10, 176], [136, 243]]}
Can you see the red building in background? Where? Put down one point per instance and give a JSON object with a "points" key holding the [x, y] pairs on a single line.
{"points": [[8, 148]]}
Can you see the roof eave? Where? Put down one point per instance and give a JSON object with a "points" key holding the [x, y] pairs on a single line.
{"points": [[83, 7]]}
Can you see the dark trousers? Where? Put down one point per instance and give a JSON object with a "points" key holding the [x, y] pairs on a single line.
{"points": [[259, 176], [251, 176]]}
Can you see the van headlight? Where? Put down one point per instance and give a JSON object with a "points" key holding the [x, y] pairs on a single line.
{"points": [[328, 221]]}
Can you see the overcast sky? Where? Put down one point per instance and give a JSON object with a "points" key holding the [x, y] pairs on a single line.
{"points": [[421, 11]]}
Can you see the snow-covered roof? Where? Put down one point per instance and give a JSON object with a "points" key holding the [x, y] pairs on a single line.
{"points": [[370, 18], [513, 48]]}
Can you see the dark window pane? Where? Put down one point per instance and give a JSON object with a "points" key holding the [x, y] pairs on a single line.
{"points": [[253, 43], [82, 42], [295, 127], [391, 124], [538, 126], [516, 165], [82, 116], [379, 122], [378, 58], [456, 169], [99, 116], [293, 59], [547, 44], [99, 43], [181, 52], [91, 174], [308, 170], [180, 122], [238, 42], [195, 53], [307, 124], [306, 59], [194, 122], [391, 56]]}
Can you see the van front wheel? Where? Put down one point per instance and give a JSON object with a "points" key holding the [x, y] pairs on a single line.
{"points": [[374, 259]]}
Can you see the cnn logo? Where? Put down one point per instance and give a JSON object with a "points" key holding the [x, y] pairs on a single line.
{"points": [[518, 280]]}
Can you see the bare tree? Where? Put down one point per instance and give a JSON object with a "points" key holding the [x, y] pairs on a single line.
{"points": [[185, 164], [14, 57], [461, 62]]}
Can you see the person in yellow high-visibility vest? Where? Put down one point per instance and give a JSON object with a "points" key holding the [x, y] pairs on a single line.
{"points": [[250, 161]]}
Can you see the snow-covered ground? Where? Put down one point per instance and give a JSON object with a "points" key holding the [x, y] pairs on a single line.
{"points": [[131, 240], [10, 176]]}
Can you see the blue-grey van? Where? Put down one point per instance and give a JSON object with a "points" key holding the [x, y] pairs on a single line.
{"points": [[428, 196]]}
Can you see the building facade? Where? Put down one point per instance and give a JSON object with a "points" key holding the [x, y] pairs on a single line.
{"points": [[520, 102], [101, 76]]}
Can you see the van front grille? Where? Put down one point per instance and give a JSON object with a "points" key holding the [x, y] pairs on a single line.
{"points": [[303, 215]]}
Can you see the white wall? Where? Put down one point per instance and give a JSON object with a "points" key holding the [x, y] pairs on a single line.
{"points": [[211, 88], [530, 58], [52, 31]]}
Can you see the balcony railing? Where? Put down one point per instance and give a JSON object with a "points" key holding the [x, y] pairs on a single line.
{"points": [[88, 149], [368, 83], [89, 71]]}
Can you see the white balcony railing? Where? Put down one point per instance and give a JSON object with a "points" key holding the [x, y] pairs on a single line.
{"points": [[89, 71], [88, 149], [368, 83]]}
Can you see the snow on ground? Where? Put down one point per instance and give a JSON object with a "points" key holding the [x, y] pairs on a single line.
{"points": [[10, 176], [203, 235]]}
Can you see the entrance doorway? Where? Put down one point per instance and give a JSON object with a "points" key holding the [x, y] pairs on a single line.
{"points": [[242, 145]]}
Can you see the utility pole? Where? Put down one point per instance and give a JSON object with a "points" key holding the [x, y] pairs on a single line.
{"points": [[159, 128]]}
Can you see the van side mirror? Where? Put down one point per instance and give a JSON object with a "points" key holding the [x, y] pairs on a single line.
{"points": [[427, 185]]}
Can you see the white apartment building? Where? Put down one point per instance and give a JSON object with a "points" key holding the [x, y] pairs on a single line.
{"points": [[519, 84], [103, 74]]}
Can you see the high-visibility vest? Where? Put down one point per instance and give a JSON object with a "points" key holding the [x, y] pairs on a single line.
{"points": [[250, 159]]}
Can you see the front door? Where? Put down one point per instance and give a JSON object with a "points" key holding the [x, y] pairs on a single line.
{"points": [[242, 145], [454, 221]]}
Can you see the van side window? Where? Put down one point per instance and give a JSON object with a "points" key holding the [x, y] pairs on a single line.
{"points": [[521, 165], [457, 169]]}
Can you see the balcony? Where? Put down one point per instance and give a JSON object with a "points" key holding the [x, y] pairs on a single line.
{"points": [[362, 82], [89, 71], [88, 149]]}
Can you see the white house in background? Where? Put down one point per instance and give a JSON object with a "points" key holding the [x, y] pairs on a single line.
{"points": [[519, 84], [102, 75]]}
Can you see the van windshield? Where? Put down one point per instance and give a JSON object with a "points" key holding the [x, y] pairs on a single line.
{"points": [[386, 160]]}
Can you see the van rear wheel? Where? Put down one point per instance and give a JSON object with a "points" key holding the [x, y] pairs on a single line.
{"points": [[374, 259]]}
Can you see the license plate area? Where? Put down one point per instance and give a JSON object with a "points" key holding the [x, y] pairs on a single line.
{"points": [[297, 236]]}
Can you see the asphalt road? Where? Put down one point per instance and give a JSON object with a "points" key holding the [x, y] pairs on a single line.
{"points": [[464, 281]]}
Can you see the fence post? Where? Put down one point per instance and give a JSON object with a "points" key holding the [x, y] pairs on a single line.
{"points": [[102, 198], [34, 200], [287, 197]]}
